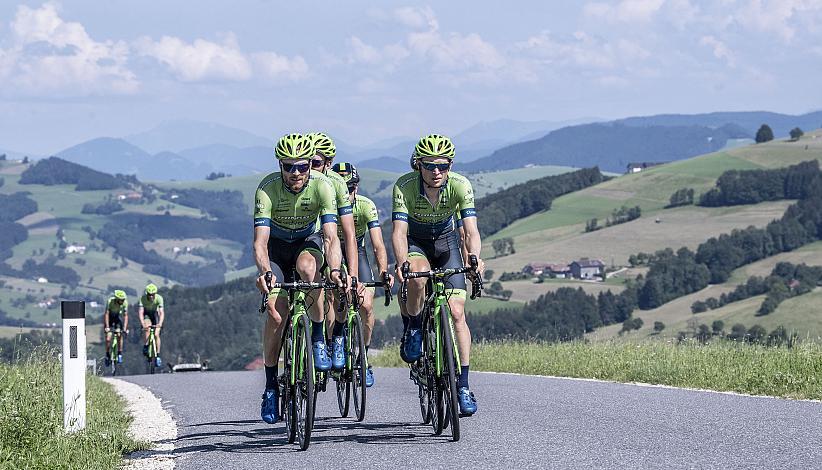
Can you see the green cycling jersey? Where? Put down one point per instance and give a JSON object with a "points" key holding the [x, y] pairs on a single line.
{"points": [[341, 190], [151, 306], [424, 219], [365, 218], [116, 309], [294, 215]]}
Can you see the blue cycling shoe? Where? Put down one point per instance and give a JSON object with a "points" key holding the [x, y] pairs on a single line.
{"points": [[321, 359], [468, 404], [270, 408], [338, 352], [158, 362], [119, 359], [412, 347], [369, 377]]}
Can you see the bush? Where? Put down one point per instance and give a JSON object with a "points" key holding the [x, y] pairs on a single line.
{"points": [[53, 170]]}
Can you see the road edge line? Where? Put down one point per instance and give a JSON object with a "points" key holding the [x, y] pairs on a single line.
{"points": [[150, 423], [648, 385]]}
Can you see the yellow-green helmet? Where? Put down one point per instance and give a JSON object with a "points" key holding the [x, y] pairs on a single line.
{"points": [[434, 145], [323, 145], [118, 294], [151, 289], [347, 171], [294, 146]]}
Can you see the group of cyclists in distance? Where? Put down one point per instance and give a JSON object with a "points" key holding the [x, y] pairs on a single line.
{"points": [[310, 223], [150, 312]]}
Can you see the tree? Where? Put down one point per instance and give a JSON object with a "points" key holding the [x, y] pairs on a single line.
{"points": [[756, 334], [764, 134], [25, 160], [796, 133], [718, 327], [738, 332], [703, 333], [488, 274], [658, 327]]}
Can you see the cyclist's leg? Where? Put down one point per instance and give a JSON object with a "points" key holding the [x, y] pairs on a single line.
{"points": [[281, 256], [309, 264], [367, 305], [418, 254], [108, 339]]}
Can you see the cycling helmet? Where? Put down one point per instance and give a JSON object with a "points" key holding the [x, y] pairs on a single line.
{"points": [[121, 295], [434, 145], [348, 172], [151, 289], [294, 146], [414, 163], [323, 145]]}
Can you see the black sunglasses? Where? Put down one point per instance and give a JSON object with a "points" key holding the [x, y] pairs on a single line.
{"points": [[436, 166], [317, 163], [293, 167]]}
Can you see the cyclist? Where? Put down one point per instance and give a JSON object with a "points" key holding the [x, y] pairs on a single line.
{"points": [[150, 312], [366, 221], [324, 153], [115, 316], [295, 229], [424, 234]]}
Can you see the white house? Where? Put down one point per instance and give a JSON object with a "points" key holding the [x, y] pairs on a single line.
{"points": [[79, 249]]}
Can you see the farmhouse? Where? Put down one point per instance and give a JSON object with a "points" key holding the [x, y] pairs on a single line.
{"points": [[557, 270], [636, 167], [587, 268], [79, 249]]}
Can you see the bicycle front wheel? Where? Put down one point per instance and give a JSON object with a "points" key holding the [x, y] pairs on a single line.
{"points": [[304, 399], [359, 365], [436, 401], [287, 407], [449, 376]]}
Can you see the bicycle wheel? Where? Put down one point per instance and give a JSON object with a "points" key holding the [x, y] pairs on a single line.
{"points": [[287, 407], [344, 388], [304, 393], [449, 376], [425, 382], [435, 395], [152, 354], [359, 365], [112, 354]]}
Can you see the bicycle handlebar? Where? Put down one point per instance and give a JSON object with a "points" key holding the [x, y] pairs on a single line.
{"points": [[298, 285], [476, 282]]}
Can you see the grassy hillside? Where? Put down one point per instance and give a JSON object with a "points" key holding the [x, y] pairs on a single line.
{"points": [[558, 235]]}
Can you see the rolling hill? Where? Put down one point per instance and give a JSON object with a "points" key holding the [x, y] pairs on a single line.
{"points": [[558, 235]]}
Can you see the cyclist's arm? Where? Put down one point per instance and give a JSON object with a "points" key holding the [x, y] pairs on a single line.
{"points": [[125, 320], [472, 241], [332, 245], [399, 238], [261, 235], [379, 248], [349, 233], [463, 249], [105, 319], [162, 314]]}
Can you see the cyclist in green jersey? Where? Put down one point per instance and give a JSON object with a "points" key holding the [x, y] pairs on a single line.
{"points": [[150, 312], [425, 235], [116, 315], [295, 231], [366, 221], [324, 153]]}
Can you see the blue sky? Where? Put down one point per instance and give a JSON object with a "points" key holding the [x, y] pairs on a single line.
{"points": [[366, 71]]}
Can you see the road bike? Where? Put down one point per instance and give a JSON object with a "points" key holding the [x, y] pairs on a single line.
{"points": [[299, 377], [437, 370], [151, 351], [351, 380], [114, 349]]}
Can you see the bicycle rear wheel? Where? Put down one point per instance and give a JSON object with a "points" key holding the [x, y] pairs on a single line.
{"points": [[343, 393], [435, 395], [304, 393], [359, 365], [449, 376], [152, 354]]}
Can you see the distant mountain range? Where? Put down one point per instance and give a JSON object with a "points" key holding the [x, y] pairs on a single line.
{"points": [[612, 145], [190, 150]]}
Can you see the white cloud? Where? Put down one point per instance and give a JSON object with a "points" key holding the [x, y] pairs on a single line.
{"points": [[204, 60], [625, 10], [583, 51], [719, 48], [51, 56], [274, 66], [456, 51], [200, 60], [783, 18], [418, 18]]}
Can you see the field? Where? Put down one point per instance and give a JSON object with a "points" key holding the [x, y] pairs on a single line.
{"points": [[721, 365], [476, 307]]}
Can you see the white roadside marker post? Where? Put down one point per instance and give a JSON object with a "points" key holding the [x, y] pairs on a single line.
{"points": [[74, 365]]}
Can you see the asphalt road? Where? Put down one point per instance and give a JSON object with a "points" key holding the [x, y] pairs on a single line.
{"points": [[522, 422]]}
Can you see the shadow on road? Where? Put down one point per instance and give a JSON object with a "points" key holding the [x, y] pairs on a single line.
{"points": [[250, 436]]}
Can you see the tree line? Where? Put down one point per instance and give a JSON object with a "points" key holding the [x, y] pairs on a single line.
{"points": [[53, 170], [735, 187], [618, 216]]}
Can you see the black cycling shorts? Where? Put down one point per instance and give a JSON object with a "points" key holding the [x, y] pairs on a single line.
{"points": [[283, 255], [114, 321], [443, 252], [153, 316], [364, 274]]}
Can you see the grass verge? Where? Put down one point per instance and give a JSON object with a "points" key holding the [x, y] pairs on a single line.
{"points": [[722, 366], [31, 420]]}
